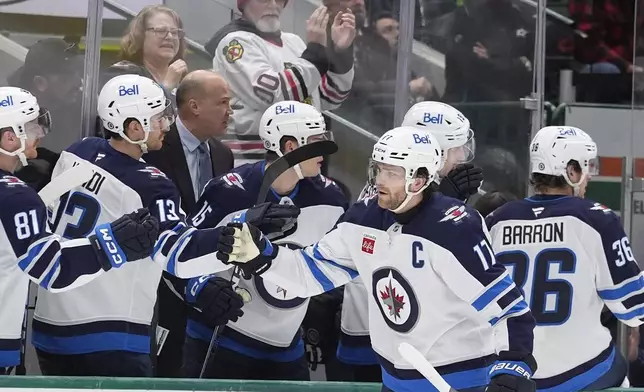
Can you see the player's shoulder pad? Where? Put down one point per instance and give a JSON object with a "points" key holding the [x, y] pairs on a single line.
{"points": [[366, 212], [597, 215], [505, 212], [329, 191], [88, 148], [16, 191], [240, 183]]}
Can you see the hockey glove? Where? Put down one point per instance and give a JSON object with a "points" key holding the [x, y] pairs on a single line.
{"points": [[131, 237], [512, 373], [244, 246], [462, 182], [272, 219], [216, 300]]}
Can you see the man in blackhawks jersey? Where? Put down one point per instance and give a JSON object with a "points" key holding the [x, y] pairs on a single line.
{"points": [[265, 65]]}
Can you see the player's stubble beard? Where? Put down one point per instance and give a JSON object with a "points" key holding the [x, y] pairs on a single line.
{"points": [[391, 200]]}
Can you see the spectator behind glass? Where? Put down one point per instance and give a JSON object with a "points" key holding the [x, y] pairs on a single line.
{"points": [[610, 28], [154, 46], [372, 99], [52, 72], [265, 65], [489, 202], [489, 58]]}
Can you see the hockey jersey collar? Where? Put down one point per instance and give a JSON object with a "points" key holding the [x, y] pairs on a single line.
{"points": [[240, 25], [546, 198]]}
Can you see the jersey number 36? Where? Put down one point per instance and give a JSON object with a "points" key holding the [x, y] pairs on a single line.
{"points": [[543, 287]]}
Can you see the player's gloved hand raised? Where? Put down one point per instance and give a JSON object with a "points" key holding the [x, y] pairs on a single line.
{"points": [[216, 300], [243, 245], [273, 219], [462, 182], [131, 237], [511, 373]]}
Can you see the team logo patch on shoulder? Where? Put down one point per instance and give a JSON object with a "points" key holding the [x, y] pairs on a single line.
{"points": [[154, 172], [12, 181], [600, 207], [233, 51], [234, 179], [456, 214]]}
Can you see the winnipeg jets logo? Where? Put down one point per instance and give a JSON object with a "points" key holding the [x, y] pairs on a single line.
{"points": [[234, 179], [537, 211], [600, 207], [456, 214], [392, 300], [154, 172], [327, 182], [396, 299], [12, 181]]}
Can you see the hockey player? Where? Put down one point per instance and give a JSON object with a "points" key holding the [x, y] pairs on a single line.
{"points": [[426, 261], [27, 244], [104, 328], [457, 178], [571, 257], [266, 343], [265, 65]]}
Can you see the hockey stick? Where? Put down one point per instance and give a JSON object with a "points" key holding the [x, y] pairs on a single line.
{"points": [[65, 182], [418, 361], [274, 170]]}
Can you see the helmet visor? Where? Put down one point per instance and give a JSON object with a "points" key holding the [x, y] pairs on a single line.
{"points": [[593, 166], [461, 154], [162, 121], [38, 127], [382, 173], [320, 137]]}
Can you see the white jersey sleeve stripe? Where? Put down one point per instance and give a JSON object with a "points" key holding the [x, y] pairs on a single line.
{"points": [[628, 288], [319, 256], [317, 273], [634, 313], [494, 290], [517, 308]]}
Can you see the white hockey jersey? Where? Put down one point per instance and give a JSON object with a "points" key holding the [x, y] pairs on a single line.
{"points": [[28, 250], [354, 345], [114, 311], [269, 328], [433, 283], [570, 257], [262, 71]]}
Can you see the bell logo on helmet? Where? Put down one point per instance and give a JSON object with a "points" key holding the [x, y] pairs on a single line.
{"points": [[123, 91], [7, 102], [289, 109], [421, 139], [567, 132], [428, 118]]}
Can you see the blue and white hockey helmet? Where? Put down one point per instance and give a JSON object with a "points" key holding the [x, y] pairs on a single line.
{"points": [[409, 148], [138, 97], [448, 125], [19, 111], [298, 120], [554, 147]]}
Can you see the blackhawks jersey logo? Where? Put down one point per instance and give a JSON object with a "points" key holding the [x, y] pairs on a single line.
{"points": [[233, 51]]}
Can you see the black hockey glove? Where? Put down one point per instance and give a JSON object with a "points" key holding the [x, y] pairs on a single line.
{"points": [[131, 237], [462, 182], [216, 300], [273, 219], [512, 373], [244, 246]]}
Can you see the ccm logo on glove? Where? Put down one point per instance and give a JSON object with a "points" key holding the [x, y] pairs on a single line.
{"points": [[110, 246], [513, 368]]}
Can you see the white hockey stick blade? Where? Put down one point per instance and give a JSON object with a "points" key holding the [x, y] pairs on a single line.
{"points": [[65, 182], [418, 361]]}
